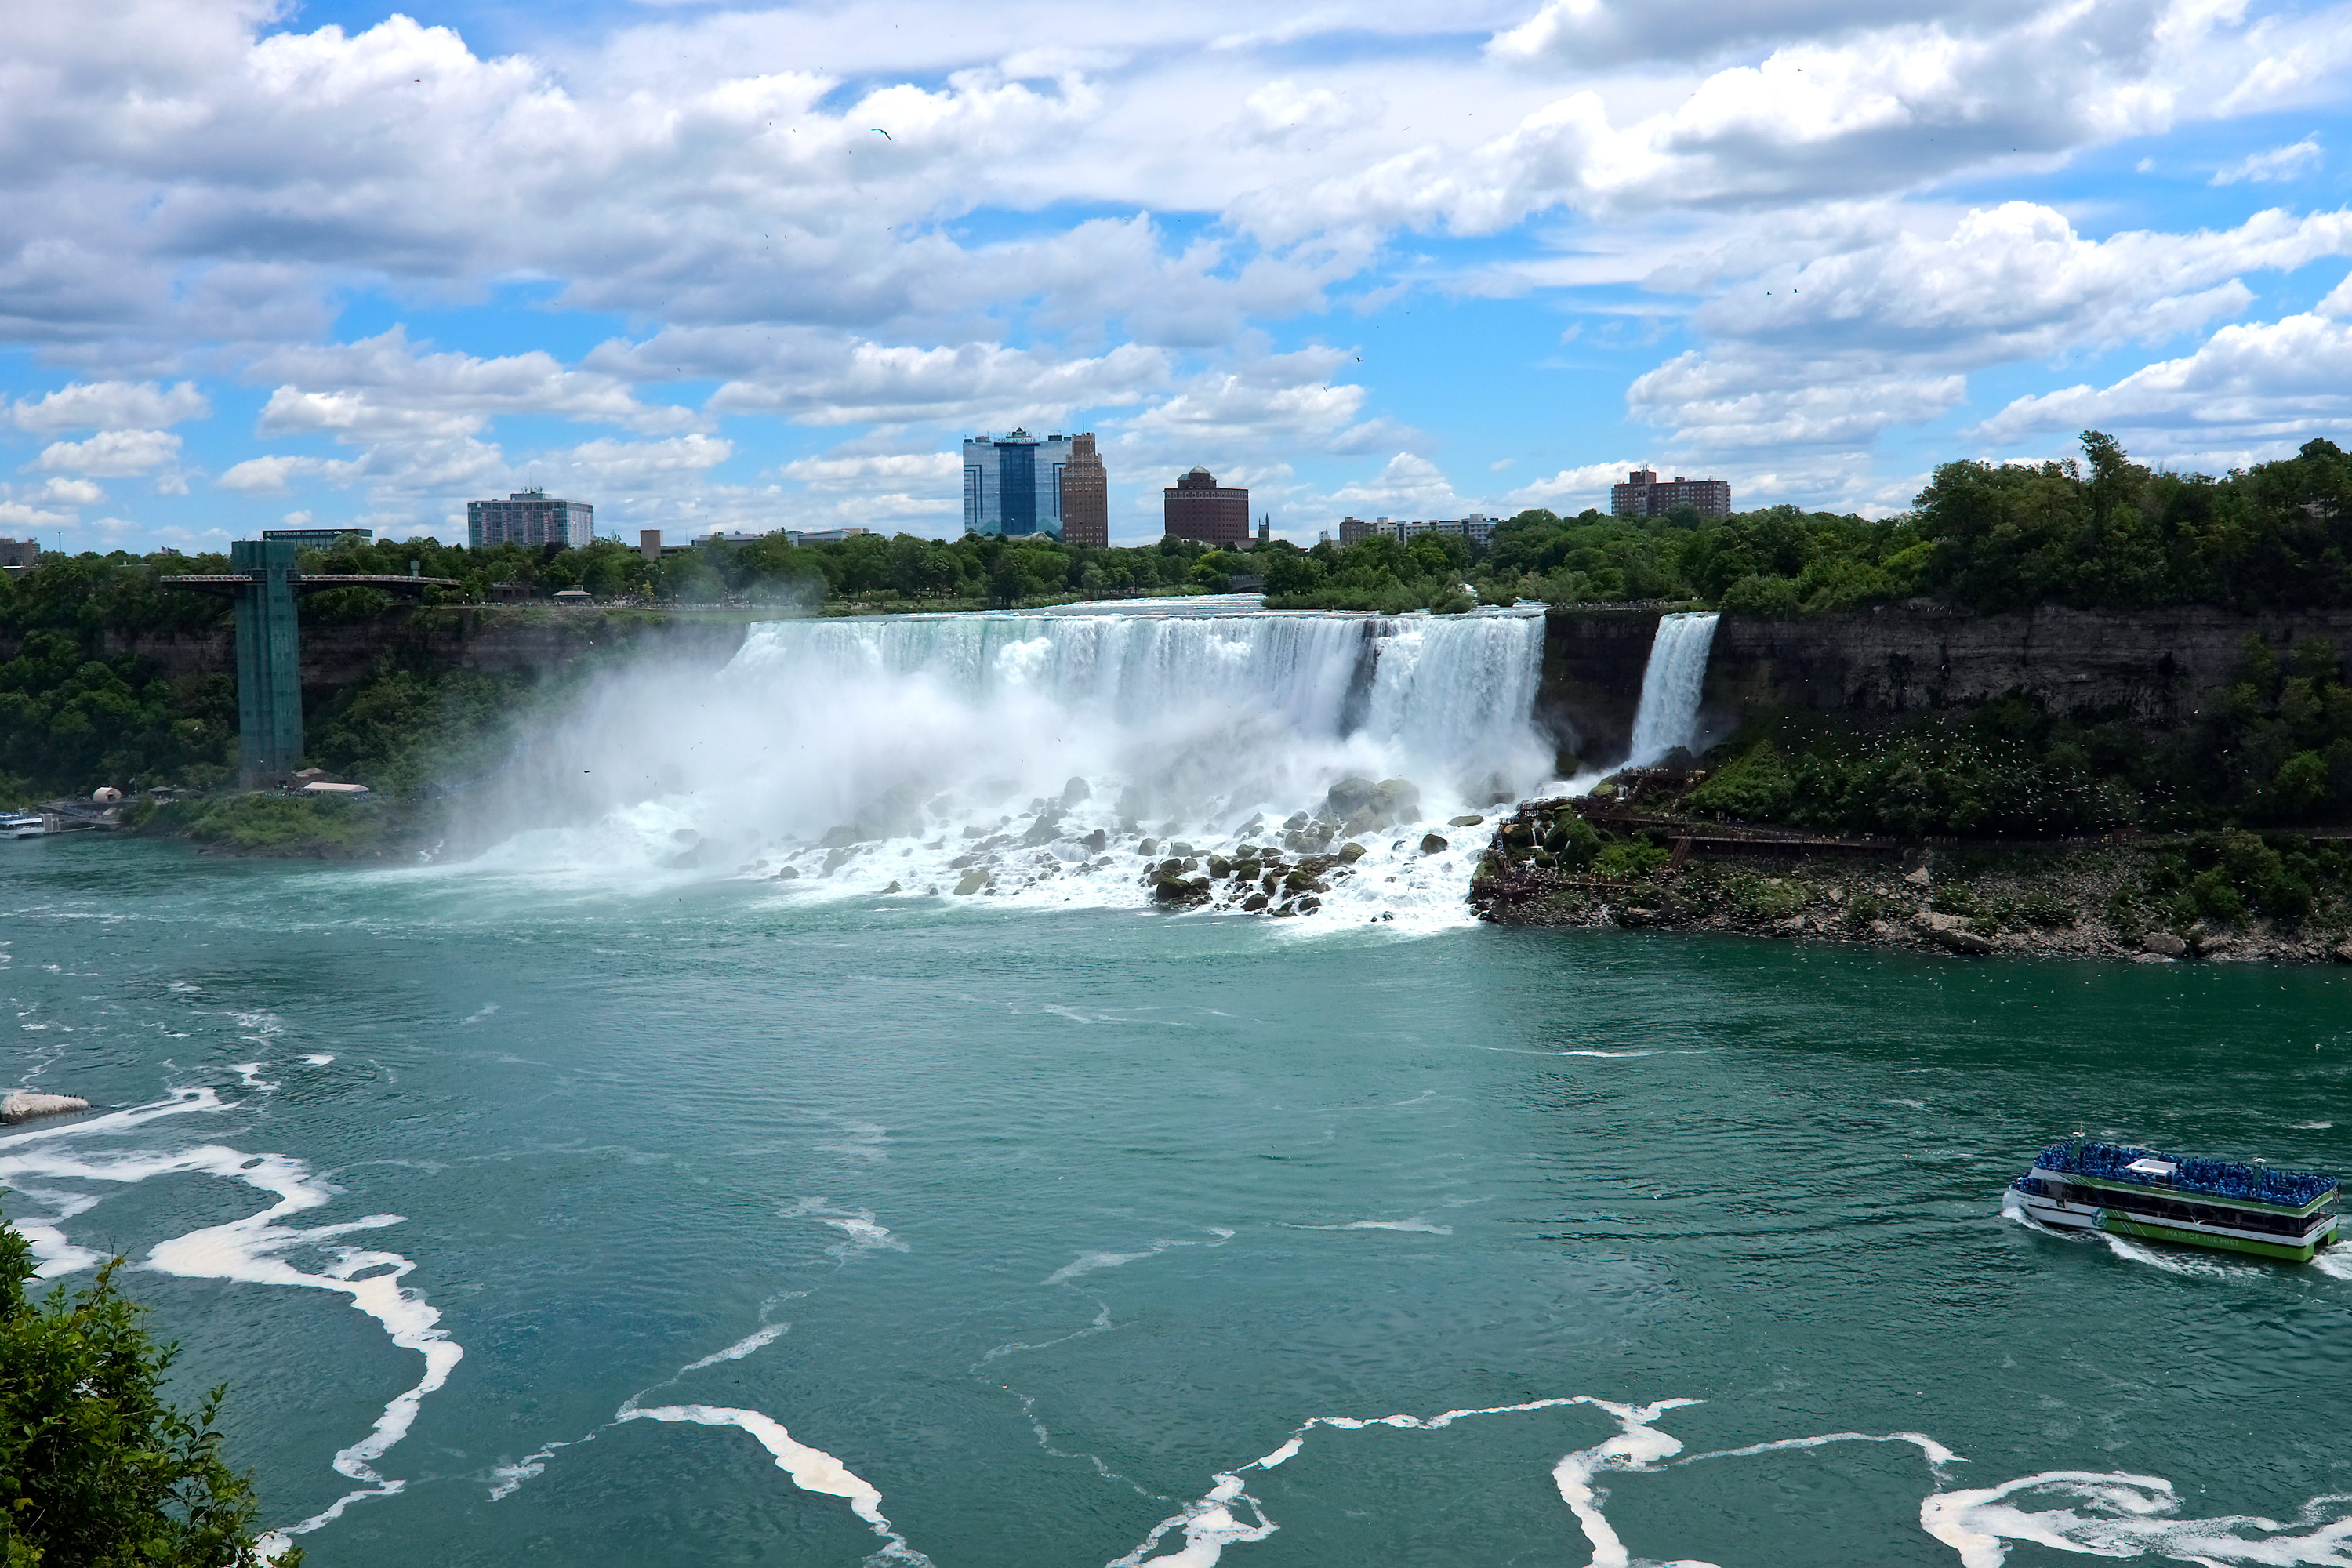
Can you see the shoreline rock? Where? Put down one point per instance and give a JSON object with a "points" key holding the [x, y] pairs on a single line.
{"points": [[2073, 901], [24, 1105]]}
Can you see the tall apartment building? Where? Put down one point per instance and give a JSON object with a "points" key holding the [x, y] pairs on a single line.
{"points": [[1644, 494], [18, 556], [1197, 507], [1013, 483], [1085, 494], [1477, 527], [529, 518]]}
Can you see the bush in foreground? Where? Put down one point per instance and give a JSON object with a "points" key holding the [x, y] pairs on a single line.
{"points": [[95, 1469]]}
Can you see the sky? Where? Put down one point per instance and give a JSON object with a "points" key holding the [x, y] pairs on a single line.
{"points": [[707, 266]]}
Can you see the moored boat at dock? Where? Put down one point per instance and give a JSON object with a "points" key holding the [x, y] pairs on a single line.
{"points": [[2255, 1208], [23, 825]]}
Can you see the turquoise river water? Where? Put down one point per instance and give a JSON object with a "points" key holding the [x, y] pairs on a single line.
{"points": [[790, 1134], [555, 1217]]}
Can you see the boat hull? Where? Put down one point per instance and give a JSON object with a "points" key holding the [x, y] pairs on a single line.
{"points": [[2059, 1215]]}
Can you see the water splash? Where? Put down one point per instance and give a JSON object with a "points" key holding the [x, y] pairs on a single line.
{"points": [[1671, 684], [1027, 758]]}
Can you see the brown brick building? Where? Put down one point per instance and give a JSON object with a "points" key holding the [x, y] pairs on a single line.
{"points": [[1645, 495], [1086, 495], [1197, 508]]}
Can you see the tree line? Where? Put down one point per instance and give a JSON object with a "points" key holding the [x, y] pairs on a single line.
{"points": [[2101, 531]]}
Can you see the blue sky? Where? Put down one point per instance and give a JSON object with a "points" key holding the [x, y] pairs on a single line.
{"points": [[758, 267]]}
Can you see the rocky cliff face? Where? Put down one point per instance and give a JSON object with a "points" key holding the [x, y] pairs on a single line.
{"points": [[1592, 666], [2151, 667], [490, 638]]}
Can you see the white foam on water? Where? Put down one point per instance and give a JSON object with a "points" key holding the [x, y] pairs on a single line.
{"points": [[1533, 1051], [478, 1014], [1211, 1524], [811, 1469], [1637, 1446], [182, 1101], [250, 1251], [859, 1227], [864, 1236], [1416, 1223], [250, 1075], [1088, 1262], [757, 1340], [2335, 1262], [2311, 1126], [2114, 1515], [2171, 1261], [318, 1060], [860, 1139], [2180, 1260], [1935, 1454], [907, 756]]}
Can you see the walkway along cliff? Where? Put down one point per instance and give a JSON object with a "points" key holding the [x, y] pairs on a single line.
{"points": [[1650, 849]]}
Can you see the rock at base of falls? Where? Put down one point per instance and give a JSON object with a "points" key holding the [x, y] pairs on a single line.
{"points": [[23, 1105], [1431, 843]]}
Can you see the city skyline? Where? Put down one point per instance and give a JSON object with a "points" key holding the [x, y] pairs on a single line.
{"points": [[340, 265]]}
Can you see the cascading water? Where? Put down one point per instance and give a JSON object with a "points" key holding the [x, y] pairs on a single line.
{"points": [[1668, 714], [1030, 757]]}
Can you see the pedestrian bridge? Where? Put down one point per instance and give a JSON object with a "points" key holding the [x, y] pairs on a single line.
{"points": [[269, 643]]}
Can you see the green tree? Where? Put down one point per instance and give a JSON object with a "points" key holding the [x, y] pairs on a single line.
{"points": [[97, 1470]]}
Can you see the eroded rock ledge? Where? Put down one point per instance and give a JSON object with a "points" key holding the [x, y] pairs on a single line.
{"points": [[2135, 899]]}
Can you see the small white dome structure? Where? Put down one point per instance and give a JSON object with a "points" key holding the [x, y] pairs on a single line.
{"points": [[107, 794]]}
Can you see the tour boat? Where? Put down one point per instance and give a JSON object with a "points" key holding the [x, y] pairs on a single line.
{"points": [[22, 825], [2083, 1186]]}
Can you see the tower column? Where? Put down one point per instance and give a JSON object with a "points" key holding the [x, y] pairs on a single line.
{"points": [[269, 660]]}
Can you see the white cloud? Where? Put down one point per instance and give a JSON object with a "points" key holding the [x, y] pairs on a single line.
{"points": [[111, 454], [1569, 491], [382, 388], [23, 514], [1836, 350], [73, 492], [1406, 486], [1262, 406], [2277, 166], [939, 472], [110, 405], [633, 466], [2252, 388], [823, 379], [270, 475], [1092, 213]]}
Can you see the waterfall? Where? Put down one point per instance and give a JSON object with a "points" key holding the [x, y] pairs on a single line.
{"points": [[1031, 755], [1668, 714]]}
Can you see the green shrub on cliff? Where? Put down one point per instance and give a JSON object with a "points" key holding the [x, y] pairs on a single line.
{"points": [[1757, 786], [97, 1469], [2277, 745], [1629, 859], [268, 823], [2224, 876], [70, 721], [404, 728]]}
